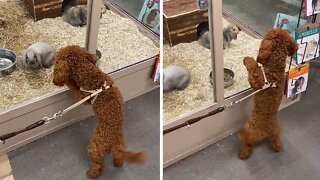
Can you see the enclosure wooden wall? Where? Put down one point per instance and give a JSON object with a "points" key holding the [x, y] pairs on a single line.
{"points": [[40, 9], [180, 21]]}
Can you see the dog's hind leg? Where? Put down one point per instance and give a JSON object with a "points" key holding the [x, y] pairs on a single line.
{"points": [[245, 152], [248, 137], [275, 137], [118, 159], [97, 151], [117, 152], [247, 149], [121, 155]]}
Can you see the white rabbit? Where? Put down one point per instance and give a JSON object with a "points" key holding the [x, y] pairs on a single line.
{"points": [[39, 54], [175, 77]]}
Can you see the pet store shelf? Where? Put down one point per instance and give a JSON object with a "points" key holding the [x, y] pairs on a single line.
{"points": [[133, 81]]}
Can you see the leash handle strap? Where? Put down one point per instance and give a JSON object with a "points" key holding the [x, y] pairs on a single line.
{"points": [[194, 120], [4, 137]]}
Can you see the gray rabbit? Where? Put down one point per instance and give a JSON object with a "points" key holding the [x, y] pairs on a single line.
{"points": [[175, 77], [39, 54], [229, 33], [76, 15], [204, 39]]}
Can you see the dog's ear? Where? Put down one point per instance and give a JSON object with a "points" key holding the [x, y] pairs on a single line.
{"points": [[61, 72], [292, 46], [264, 51]]}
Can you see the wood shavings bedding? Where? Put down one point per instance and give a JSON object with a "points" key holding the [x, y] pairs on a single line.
{"points": [[124, 37], [120, 42], [197, 60]]}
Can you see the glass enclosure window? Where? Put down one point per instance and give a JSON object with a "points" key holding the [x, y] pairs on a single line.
{"points": [[121, 43], [145, 11], [22, 25], [260, 16], [185, 24]]}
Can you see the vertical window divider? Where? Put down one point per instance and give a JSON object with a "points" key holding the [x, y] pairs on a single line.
{"points": [[93, 19], [216, 44]]}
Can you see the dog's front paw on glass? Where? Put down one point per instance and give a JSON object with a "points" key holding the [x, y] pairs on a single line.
{"points": [[244, 154]]}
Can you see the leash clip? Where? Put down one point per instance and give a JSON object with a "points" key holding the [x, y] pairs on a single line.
{"points": [[55, 116]]}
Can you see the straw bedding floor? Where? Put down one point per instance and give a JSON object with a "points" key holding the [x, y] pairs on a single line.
{"points": [[197, 60], [119, 40]]}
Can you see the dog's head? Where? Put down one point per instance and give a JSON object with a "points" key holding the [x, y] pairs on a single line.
{"points": [[278, 44], [68, 60]]}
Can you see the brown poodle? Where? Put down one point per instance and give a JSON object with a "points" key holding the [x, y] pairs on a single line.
{"points": [[76, 68], [263, 123]]}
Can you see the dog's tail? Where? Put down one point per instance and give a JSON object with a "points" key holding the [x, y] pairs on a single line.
{"points": [[130, 157]]}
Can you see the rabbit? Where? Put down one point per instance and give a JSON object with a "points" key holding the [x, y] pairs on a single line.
{"points": [[230, 33], [76, 15], [204, 39], [175, 77], [39, 54]]}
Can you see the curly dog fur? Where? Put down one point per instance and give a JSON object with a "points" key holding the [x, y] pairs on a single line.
{"points": [[263, 123], [75, 68]]}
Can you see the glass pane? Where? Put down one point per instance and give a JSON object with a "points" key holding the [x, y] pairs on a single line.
{"points": [[146, 11], [20, 27], [255, 17], [121, 43], [260, 15], [183, 25]]}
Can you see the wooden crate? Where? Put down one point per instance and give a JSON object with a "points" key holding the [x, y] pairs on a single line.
{"points": [[181, 20], [40, 9]]}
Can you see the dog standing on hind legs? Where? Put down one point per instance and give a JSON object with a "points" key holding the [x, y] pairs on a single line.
{"points": [[263, 123], [77, 69]]}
